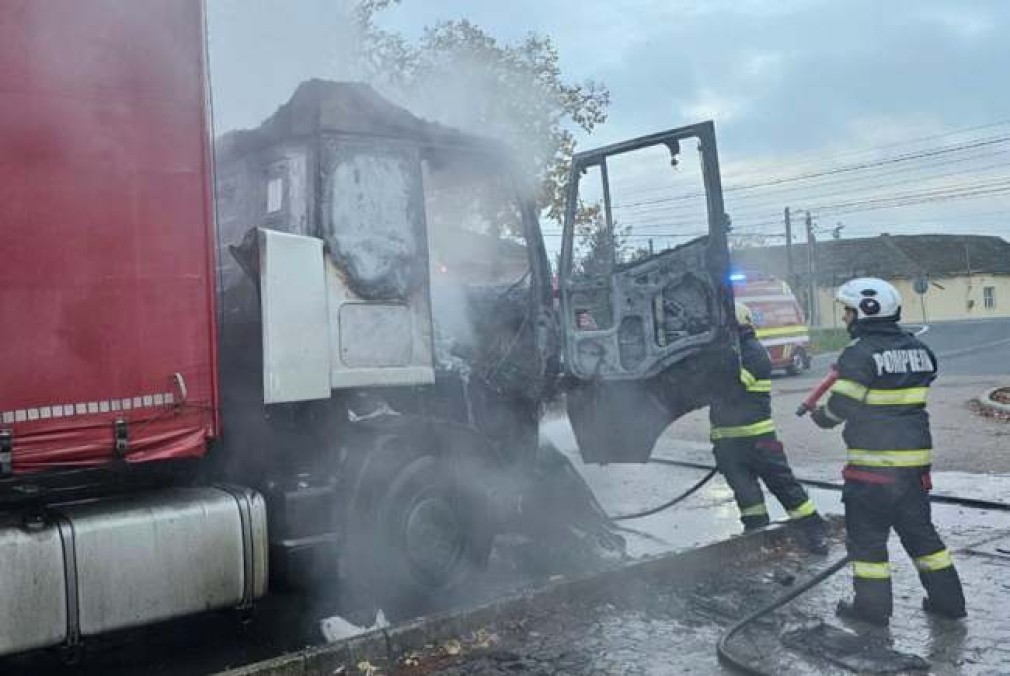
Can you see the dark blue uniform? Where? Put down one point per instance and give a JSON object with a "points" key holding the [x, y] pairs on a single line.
{"points": [[884, 377], [745, 445]]}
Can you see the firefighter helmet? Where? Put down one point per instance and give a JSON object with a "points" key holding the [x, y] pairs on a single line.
{"points": [[743, 314], [871, 299]]}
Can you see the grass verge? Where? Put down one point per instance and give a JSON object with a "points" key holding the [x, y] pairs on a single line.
{"points": [[828, 340]]}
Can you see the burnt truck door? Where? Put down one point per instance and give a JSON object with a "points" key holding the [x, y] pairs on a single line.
{"points": [[646, 306]]}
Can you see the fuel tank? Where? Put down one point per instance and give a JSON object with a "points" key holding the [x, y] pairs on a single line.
{"points": [[96, 566]]}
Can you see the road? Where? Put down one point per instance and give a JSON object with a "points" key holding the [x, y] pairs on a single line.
{"points": [[973, 347], [980, 347]]}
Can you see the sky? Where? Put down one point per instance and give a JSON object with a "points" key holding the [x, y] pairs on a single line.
{"points": [[914, 89]]}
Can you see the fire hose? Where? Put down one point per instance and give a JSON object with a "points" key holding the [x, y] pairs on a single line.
{"points": [[746, 666], [669, 503], [808, 405], [726, 656]]}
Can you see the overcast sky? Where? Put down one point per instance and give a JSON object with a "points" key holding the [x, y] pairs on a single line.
{"points": [[794, 86]]}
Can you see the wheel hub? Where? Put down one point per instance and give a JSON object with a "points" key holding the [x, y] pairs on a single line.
{"points": [[434, 539]]}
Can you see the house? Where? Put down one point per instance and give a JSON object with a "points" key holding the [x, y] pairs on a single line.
{"points": [[960, 276]]}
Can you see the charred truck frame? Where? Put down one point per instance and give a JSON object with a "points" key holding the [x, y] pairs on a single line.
{"points": [[349, 390]]}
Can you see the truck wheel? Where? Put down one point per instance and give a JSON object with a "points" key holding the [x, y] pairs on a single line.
{"points": [[432, 535], [800, 362], [417, 536]]}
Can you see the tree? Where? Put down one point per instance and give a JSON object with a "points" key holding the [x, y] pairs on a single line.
{"points": [[596, 250], [460, 75]]}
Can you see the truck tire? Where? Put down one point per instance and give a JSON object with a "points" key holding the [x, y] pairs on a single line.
{"points": [[414, 534], [799, 363]]}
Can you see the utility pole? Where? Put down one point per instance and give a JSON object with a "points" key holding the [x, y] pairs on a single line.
{"points": [[791, 278], [812, 265]]}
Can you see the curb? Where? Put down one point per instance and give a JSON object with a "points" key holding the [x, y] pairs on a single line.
{"points": [[986, 402], [389, 645]]}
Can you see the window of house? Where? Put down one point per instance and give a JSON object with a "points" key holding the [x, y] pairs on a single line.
{"points": [[989, 297]]}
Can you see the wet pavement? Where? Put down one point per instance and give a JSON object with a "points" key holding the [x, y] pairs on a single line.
{"points": [[980, 540], [649, 629]]}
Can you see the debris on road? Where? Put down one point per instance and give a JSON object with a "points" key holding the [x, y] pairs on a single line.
{"points": [[993, 404], [665, 615], [848, 649]]}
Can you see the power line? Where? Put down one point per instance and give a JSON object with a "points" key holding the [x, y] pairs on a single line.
{"points": [[935, 152], [830, 159], [864, 192], [996, 187], [871, 183]]}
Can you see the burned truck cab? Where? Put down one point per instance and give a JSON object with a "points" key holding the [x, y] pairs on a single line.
{"points": [[427, 265], [389, 337], [386, 337]]}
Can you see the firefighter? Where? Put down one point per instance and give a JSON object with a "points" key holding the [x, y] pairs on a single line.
{"points": [[884, 375], [747, 449]]}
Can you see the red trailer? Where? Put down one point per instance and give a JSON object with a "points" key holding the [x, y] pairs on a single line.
{"points": [[107, 266], [107, 283]]}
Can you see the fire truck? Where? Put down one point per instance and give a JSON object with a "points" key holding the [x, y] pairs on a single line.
{"points": [[780, 323], [314, 351]]}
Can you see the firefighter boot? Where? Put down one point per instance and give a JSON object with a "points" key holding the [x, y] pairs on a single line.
{"points": [[754, 522], [949, 613], [945, 595], [811, 532], [850, 611]]}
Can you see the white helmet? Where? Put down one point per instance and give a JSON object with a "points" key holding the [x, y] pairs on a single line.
{"points": [[871, 298], [743, 314]]}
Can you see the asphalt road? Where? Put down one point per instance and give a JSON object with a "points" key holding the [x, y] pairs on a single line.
{"points": [[978, 347]]}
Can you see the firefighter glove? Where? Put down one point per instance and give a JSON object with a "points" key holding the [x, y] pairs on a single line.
{"points": [[822, 419]]}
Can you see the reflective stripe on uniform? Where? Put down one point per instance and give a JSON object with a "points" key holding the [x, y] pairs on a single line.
{"points": [[747, 378], [871, 570], [754, 510], [753, 384], [900, 397], [850, 389], [797, 330], [919, 457], [805, 509], [934, 562], [753, 430], [903, 397]]}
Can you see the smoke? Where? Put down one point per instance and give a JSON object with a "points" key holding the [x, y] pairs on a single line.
{"points": [[261, 50], [478, 259]]}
